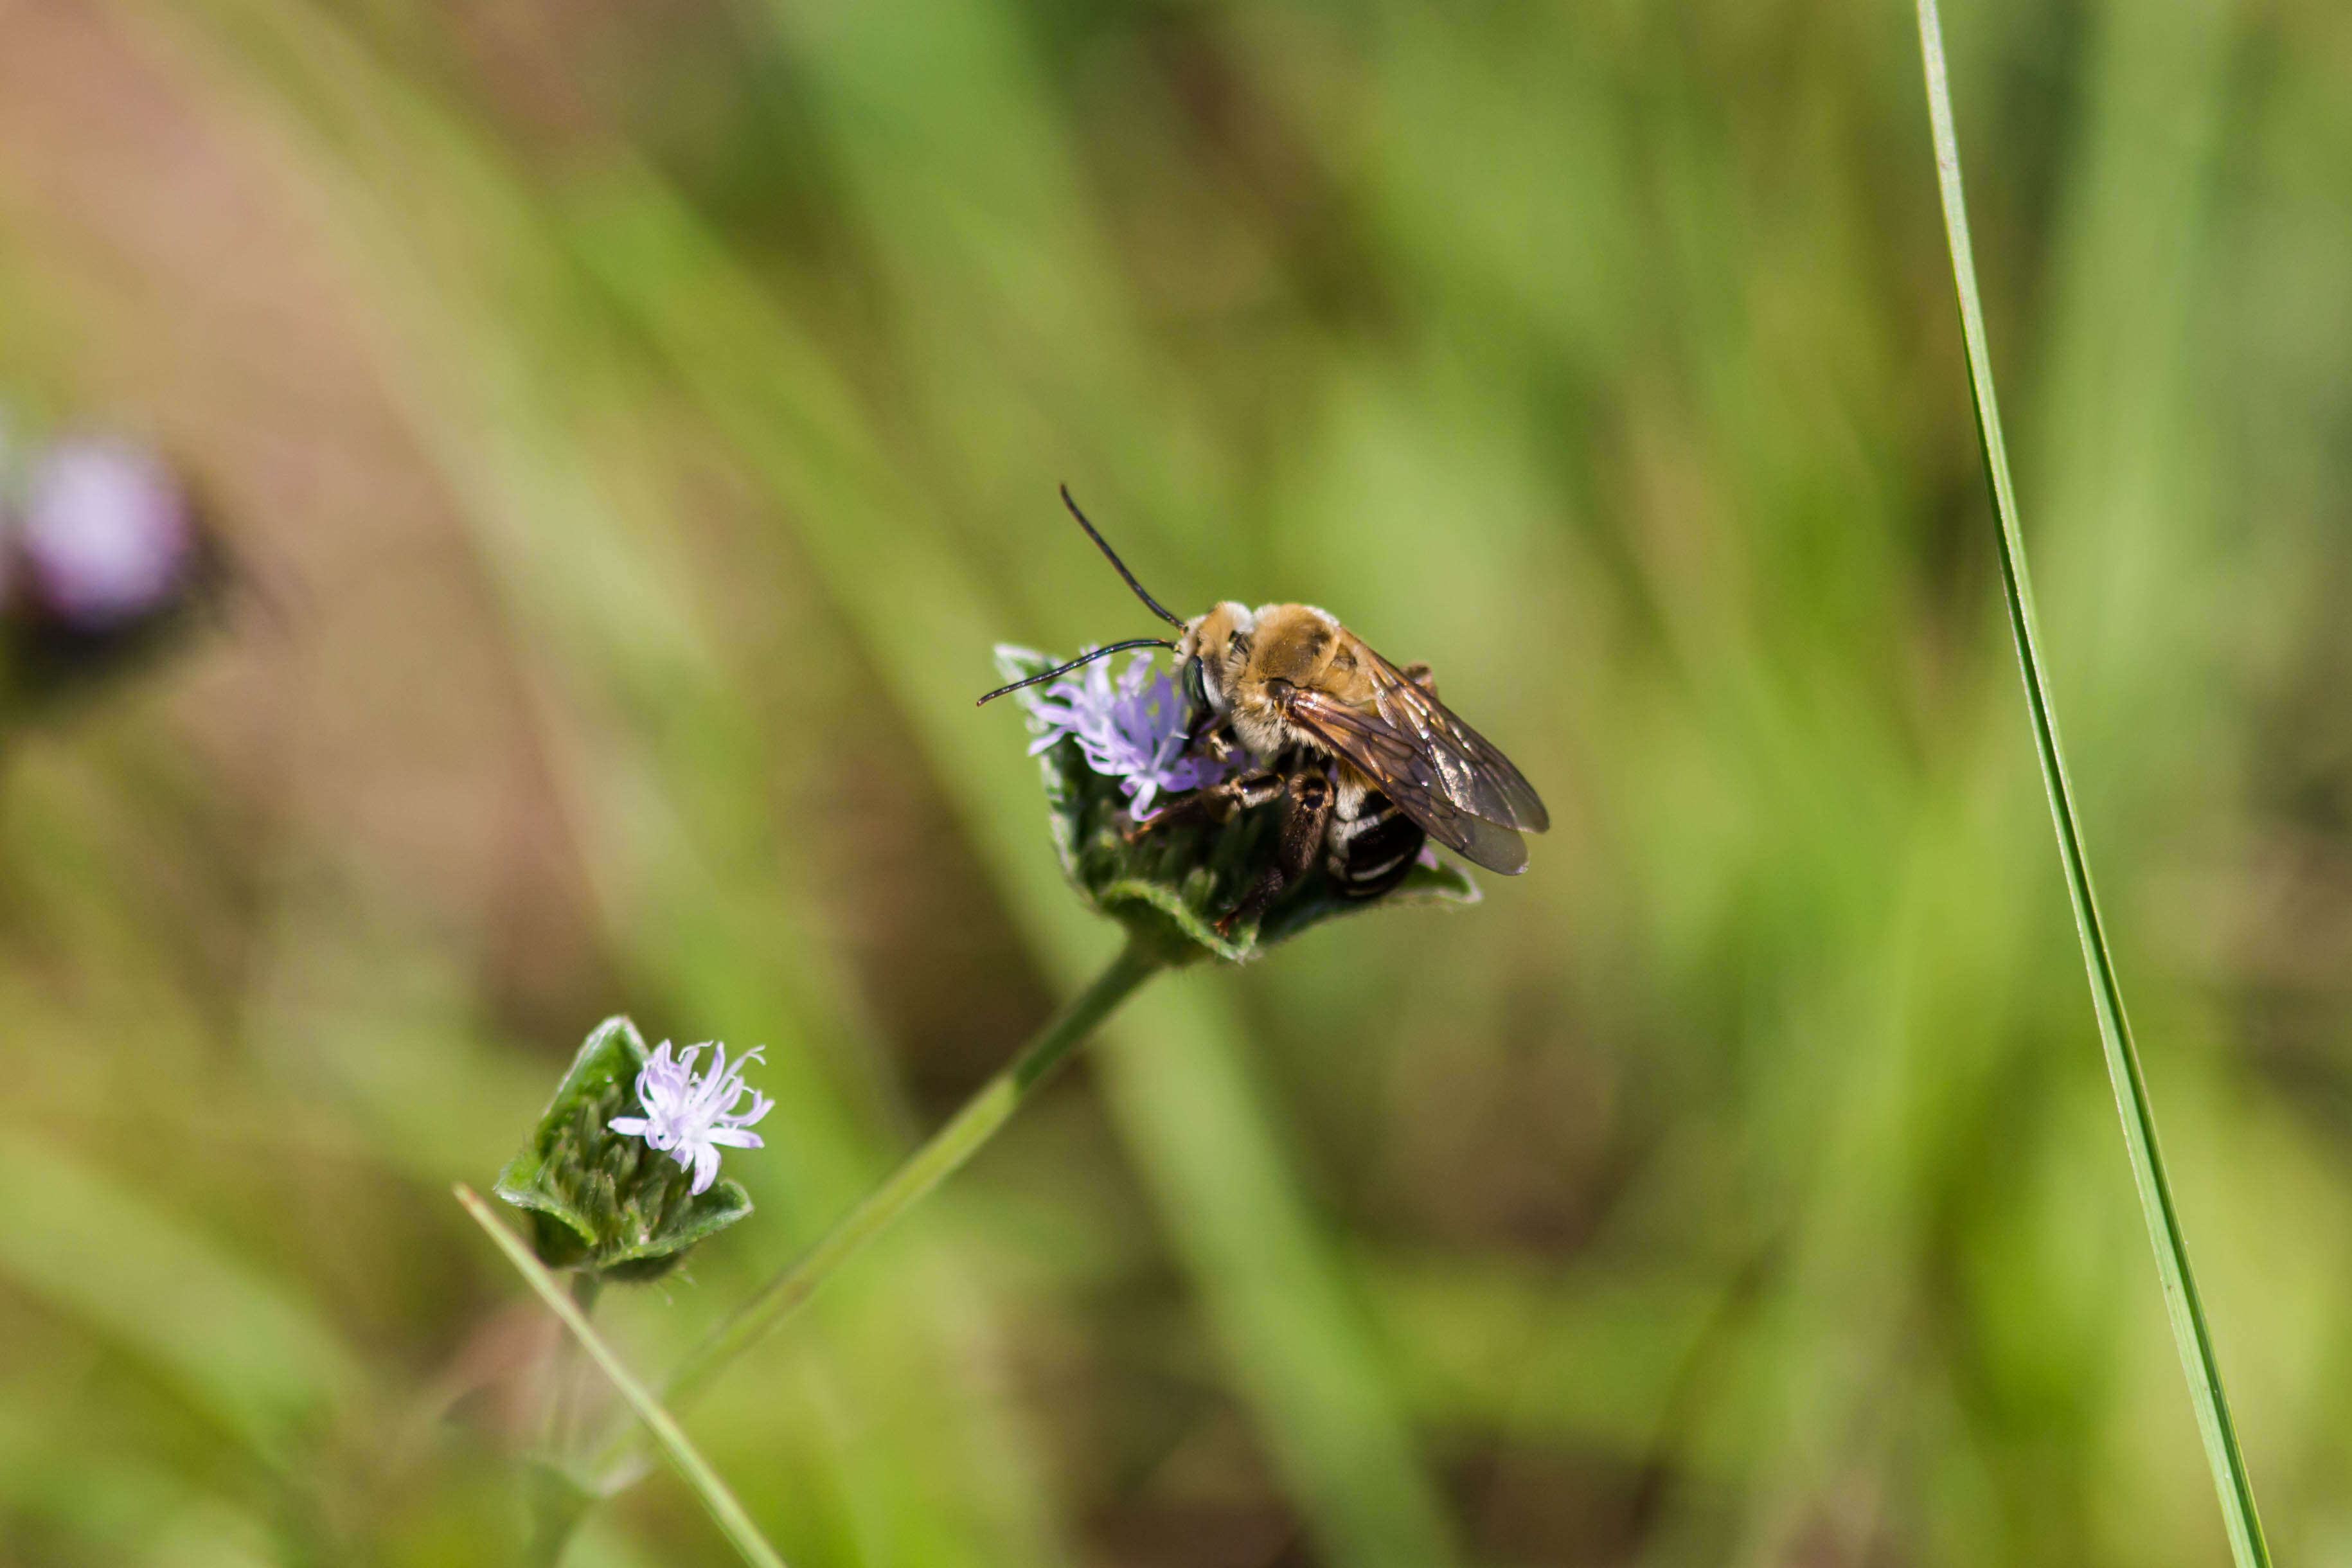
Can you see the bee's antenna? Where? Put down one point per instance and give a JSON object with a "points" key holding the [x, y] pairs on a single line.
{"points": [[1104, 546], [1082, 659]]}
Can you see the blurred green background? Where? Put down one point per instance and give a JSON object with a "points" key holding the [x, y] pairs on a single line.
{"points": [[634, 419]]}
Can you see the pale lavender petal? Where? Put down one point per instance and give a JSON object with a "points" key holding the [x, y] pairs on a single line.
{"points": [[1133, 730], [105, 531], [689, 1115]]}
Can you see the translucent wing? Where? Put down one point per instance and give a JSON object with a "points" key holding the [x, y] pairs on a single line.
{"points": [[1440, 773], [1407, 775], [1477, 777]]}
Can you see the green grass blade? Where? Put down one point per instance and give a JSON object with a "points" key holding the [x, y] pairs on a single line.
{"points": [[2190, 1330], [243, 1347], [729, 1514], [1181, 1087]]}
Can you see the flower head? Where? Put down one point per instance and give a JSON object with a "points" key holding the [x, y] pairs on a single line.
{"points": [[106, 532], [1134, 731], [1171, 876], [689, 1117]]}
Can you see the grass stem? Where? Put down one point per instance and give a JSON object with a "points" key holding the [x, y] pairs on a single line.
{"points": [[2190, 1330]]}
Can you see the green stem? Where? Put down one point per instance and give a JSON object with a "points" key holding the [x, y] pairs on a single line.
{"points": [[2193, 1338], [963, 1136], [729, 1514]]}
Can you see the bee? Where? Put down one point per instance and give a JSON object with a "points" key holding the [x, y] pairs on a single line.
{"points": [[1371, 764]]}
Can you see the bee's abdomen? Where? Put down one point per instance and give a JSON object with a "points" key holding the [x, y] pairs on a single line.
{"points": [[1372, 852]]}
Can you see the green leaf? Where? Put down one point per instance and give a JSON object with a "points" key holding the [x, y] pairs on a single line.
{"points": [[1171, 886], [600, 1199]]}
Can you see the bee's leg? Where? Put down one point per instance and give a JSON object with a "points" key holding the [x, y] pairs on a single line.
{"points": [[1217, 804], [1418, 674], [1216, 742], [1312, 797]]}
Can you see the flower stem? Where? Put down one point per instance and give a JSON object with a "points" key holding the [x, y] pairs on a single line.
{"points": [[980, 1119], [729, 1514]]}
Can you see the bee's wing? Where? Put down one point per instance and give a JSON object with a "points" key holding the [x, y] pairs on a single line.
{"points": [[1416, 775], [1478, 778]]}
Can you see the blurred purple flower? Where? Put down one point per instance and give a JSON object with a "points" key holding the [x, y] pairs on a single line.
{"points": [[107, 536], [687, 1117], [1133, 730]]}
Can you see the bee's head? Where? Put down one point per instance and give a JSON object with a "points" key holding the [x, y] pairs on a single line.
{"points": [[1214, 652]]}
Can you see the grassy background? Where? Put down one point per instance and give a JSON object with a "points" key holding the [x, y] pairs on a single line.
{"points": [[636, 420]]}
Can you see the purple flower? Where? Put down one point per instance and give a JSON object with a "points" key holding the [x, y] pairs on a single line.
{"points": [[688, 1117], [1133, 730], [106, 532]]}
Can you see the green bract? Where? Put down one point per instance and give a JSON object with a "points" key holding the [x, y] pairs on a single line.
{"points": [[1171, 886], [599, 1199]]}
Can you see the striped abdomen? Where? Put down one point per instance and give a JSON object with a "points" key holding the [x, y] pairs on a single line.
{"points": [[1370, 852]]}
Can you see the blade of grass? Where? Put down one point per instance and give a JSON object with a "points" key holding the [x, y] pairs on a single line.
{"points": [[2190, 1331], [727, 1514], [243, 1347]]}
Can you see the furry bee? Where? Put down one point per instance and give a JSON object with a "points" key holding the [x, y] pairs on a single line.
{"points": [[1371, 762]]}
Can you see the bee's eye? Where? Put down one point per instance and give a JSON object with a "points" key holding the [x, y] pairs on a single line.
{"points": [[1196, 687]]}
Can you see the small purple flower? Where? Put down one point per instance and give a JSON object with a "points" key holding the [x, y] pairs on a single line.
{"points": [[106, 532], [1133, 730], [688, 1117]]}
